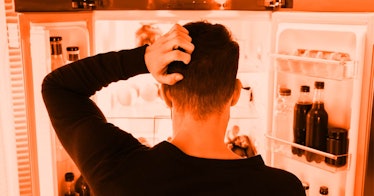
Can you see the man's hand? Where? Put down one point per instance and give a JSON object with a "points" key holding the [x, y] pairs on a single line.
{"points": [[165, 50]]}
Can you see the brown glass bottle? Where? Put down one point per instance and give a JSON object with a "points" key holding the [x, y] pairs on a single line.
{"points": [[301, 109], [316, 124]]}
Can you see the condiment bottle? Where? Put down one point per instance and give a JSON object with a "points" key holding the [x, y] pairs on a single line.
{"points": [[301, 109], [337, 144], [73, 53], [316, 124], [323, 190], [57, 60], [69, 184]]}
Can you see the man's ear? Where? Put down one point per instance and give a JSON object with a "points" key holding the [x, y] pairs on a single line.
{"points": [[165, 95], [236, 94]]}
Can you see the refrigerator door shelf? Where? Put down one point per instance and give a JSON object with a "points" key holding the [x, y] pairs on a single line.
{"points": [[302, 49], [284, 148], [316, 67], [51, 156]]}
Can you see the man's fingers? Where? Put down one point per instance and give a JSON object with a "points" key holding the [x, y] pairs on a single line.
{"points": [[175, 45], [171, 79], [177, 39], [177, 55]]}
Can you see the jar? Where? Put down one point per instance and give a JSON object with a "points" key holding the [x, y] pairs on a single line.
{"points": [[73, 53], [337, 144]]}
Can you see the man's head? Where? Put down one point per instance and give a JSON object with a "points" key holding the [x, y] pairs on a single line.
{"points": [[210, 78]]}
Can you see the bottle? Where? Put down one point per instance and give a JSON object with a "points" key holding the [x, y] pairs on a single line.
{"points": [[57, 60], [306, 188], [81, 187], [337, 144], [301, 109], [69, 184], [323, 190], [73, 53], [316, 124], [284, 112]]}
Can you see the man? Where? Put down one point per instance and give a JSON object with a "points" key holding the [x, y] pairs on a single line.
{"points": [[197, 66]]}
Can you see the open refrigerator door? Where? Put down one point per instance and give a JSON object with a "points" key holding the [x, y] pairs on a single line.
{"points": [[331, 48], [53, 161]]}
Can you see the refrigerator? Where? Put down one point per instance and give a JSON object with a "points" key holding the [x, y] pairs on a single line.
{"points": [[269, 41]]}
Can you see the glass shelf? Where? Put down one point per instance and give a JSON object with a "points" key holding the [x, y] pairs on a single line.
{"points": [[160, 110], [284, 148], [316, 67]]}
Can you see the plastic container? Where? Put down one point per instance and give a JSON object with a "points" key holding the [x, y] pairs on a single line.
{"points": [[284, 114]]}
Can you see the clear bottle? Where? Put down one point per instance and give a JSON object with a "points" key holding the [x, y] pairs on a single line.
{"points": [[73, 53], [57, 59], [317, 124], [284, 112], [323, 190], [69, 184], [301, 109]]}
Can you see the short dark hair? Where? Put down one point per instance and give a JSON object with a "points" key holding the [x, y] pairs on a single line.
{"points": [[210, 77]]}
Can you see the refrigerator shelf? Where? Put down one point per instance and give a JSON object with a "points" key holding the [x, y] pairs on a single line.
{"points": [[284, 148], [157, 109], [153, 130], [316, 67]]}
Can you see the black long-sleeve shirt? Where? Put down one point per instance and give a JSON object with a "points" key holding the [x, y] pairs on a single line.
{"points": [[113, 162]]}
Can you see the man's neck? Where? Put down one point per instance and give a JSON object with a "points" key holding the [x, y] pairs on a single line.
{"points": [[202, 138]]}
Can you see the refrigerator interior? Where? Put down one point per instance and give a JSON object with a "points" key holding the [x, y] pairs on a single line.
{"points": [[52, 157], [135, 104]]}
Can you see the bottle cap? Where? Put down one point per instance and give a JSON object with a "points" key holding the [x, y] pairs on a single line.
{"points": [[72, 48], [55, 38], [69, 176], [337, 133], [285, 91], [304, 88], [319, 85], [324, 190], [305, 185]]}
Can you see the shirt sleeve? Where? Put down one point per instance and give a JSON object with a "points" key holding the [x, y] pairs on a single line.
{"points": [[79, 124]]}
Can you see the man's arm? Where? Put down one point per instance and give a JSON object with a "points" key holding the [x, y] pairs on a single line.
{"points": [[79, 123]]}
